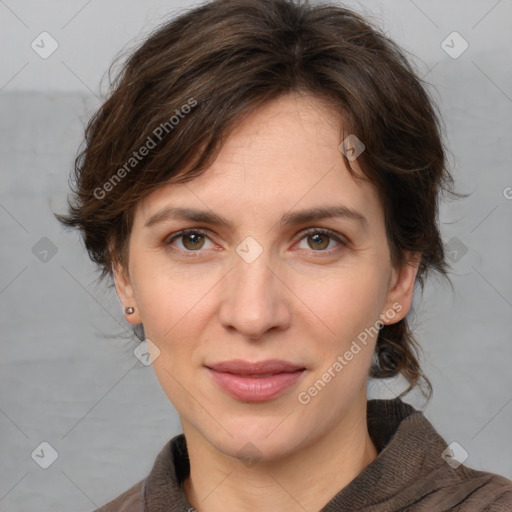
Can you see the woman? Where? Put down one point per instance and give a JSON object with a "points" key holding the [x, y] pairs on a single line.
{"points": [[263, 185]]}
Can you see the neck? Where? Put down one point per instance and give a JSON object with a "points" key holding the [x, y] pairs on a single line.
{"points": [[305, 480]]}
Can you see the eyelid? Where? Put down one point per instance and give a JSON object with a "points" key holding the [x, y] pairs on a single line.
{"points": [[341, 239], [183, 232]]}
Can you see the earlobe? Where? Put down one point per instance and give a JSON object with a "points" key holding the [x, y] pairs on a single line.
{"points": [[402, 287], [125, 293]]}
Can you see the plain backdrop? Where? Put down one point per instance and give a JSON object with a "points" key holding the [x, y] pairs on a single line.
{"points": [[68, 375]]}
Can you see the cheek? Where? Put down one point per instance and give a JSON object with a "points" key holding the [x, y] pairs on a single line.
{"points": [[344, 305], [167, 297]]}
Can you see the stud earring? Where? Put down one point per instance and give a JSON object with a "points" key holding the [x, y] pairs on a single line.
{"points": [[129, 311]]}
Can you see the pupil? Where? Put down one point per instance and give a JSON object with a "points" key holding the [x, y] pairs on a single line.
{"points": [[317, 238], [193, 239]]}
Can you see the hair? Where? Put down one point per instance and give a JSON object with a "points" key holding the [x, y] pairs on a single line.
{"points": [[184, 89]]}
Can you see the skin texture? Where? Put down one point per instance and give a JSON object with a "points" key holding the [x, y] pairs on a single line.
{"points": [[304, 299]]}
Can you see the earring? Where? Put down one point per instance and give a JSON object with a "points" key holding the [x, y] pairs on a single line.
{"points": [[129, 311]]}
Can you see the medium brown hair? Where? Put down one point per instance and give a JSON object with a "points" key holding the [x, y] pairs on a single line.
{"points": [[190, 82]]}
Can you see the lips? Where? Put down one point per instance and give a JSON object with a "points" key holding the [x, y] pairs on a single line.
{"points": [[269, 367], [255, 381]]}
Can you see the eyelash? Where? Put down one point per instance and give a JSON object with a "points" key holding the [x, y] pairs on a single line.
{"points": [[311, 231]]}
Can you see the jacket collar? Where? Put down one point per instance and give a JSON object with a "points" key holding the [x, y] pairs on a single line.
{"points": [[408, 447]]}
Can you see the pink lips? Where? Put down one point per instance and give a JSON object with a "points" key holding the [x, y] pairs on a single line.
{"points": [[255, 382]]}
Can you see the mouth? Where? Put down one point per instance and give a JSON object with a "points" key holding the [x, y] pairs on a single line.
{"points": [[255, 382]]}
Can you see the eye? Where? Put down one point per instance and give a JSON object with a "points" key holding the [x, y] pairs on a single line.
{"points": [[192, 239], [319, 239]]}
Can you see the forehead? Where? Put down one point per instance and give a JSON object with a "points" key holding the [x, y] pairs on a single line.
{"points": [[281, 157]]}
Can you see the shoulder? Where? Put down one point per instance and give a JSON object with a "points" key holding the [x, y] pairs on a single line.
{"points": [[418, 471], [132, 500], [463, 489], [479, 491]]}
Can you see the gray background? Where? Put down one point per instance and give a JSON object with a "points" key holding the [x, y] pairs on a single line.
{"points": [[68, 377]]}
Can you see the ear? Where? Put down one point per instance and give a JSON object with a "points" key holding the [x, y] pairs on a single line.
{"points": [[400, 294], [125, 293]]}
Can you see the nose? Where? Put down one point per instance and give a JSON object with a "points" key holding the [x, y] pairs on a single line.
{"points": [[255, 299]]}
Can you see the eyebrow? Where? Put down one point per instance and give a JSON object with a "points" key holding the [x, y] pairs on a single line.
{"points": [[292, 218]]}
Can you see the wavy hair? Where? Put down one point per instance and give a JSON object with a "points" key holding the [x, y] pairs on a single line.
{"points": [[226, 58]]}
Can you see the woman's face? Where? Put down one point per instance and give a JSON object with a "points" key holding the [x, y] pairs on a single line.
{"points": [[266, 284]]}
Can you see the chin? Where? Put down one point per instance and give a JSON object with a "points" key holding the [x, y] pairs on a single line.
{"points": [[259, 438]]}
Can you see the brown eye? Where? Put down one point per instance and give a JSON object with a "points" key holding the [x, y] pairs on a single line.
{"points": [[318, 239], [192, 240]]}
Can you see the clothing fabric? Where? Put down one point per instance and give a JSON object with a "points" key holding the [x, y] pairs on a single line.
{"points": [[410, 473]]}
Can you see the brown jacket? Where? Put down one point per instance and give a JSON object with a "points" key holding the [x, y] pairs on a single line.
{"points": [[411, 473]]}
